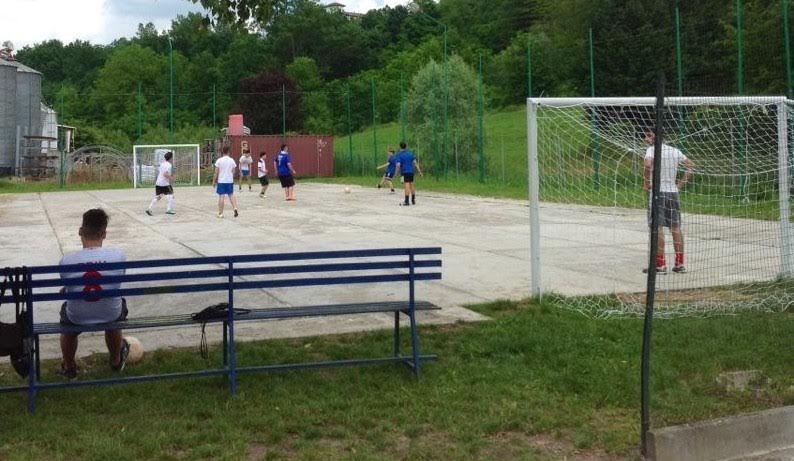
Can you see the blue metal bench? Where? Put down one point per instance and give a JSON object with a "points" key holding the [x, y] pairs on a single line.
{"points": [[231, 274]]}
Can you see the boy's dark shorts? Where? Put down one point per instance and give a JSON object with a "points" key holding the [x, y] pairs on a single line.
{"points": [[408, 177]]}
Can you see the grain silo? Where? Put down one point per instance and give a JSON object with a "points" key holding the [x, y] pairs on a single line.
{"points": [[8, 117], [27, 108]]}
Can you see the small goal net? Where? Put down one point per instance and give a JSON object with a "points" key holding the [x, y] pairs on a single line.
{"points": [[147, 159], [586, 169]]}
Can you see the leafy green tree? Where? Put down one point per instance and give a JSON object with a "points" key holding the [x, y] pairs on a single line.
{"points": [[260, 102], [304, 72], [425, 107], [339, 46], [257, 12]]}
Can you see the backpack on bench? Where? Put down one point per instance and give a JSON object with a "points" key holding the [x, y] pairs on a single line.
{"points": [[14, 339]]}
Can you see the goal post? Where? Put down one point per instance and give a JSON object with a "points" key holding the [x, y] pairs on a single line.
{"points": [[585, 155], [147, 158]]}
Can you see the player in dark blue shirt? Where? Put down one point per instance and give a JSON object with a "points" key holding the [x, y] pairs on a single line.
{"points": [[283, 166], [391, 167], [407, 164]]}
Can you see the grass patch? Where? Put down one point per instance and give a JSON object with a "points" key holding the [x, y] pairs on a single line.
{"points": [[8, 186], [545, 380]]}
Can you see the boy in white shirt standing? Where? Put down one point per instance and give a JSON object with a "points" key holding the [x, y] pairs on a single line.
{"points": [[223, 180], [162, 187], [261, 170], [245, 168]]}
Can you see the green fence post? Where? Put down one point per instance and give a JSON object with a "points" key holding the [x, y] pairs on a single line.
{"points": [[374, 128], [62, 117], [214, 108], [349, 132], [740, 89], [140, 113], [679, 67], [283, 113], [171, 92], [481, 131], [529, 68], [594, 142], [787, 43], [402, 107]]}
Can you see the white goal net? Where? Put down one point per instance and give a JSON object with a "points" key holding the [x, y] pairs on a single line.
{"points": [[147, 158], [588, 204]]}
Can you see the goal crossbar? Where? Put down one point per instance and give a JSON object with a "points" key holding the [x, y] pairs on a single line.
{"points": [[649, 101]]}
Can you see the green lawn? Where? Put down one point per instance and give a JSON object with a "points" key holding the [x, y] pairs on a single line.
{"points": [[502, 389]]}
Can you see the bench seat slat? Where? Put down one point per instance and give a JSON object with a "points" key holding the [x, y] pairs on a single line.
{"points": [[254, 314]]}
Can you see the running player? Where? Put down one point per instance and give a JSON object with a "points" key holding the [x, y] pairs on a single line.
{"points": [[162, 187]]}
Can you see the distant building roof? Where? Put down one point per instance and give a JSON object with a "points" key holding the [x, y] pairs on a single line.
{"points": [[20, 67], [340, 7]]}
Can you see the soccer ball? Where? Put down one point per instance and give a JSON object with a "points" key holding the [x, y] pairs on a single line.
{"points": [[136, 349], [347, 190]]}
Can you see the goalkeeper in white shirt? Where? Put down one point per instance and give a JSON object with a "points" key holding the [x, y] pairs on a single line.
{"points": [[162, 188], [670, 208]]}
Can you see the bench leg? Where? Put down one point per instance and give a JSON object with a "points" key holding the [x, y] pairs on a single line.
{"points": [[397, 334], [415, 342], [36, 357], [225, 343]]}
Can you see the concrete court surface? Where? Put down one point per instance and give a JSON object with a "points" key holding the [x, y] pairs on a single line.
{"points": [[485, 244]]}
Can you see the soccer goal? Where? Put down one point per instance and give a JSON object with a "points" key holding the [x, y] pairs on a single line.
{"points": [[146, 161], [585, 159]]}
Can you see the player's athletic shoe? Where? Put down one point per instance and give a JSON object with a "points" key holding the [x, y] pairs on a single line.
{"points": [[235, 213], [220, 215], [679, 269], [68, 373], [379, 186], [149, 212], [170, 212], [392, 191], [123, 354], [659, 270]]}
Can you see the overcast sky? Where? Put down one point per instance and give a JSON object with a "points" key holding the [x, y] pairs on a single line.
{"points": [[25, 22]]}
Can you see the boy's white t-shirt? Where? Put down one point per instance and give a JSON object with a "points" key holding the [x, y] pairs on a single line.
{"points": [[103, 310], [671, 158], [225, 166], [245, 162], [165, 167], [262, 167]]}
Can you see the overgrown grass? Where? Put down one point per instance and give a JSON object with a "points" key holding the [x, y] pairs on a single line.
{"points": [[533, 371], [8, 186]]}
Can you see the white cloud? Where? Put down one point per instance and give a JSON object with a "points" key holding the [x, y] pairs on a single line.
{"points": [[26, 22]]}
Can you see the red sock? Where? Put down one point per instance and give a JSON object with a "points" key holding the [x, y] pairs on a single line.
{"points": [[679, 259], [660, 261]]}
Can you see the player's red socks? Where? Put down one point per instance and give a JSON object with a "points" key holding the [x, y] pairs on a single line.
{"points": [[660, 260], [679, 259]]}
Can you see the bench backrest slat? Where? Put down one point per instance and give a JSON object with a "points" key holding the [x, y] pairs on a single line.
{"points": [[244, 278]]}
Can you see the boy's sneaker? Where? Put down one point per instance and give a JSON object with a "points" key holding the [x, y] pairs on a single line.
{"points": [[662, 270], [170, 212], [220, 215], [235, 213], [379, 186], [261, 195], [68, 373], [149, 212], [392, 191], [123, 354], [679, 269]]}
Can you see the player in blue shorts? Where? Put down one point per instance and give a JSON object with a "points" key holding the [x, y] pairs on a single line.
{"points": [[223, 180], [391, 167]]}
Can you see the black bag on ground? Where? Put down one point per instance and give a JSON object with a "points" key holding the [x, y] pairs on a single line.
{"points": [[14, 341]]}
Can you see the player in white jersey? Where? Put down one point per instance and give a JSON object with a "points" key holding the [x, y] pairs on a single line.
{"points": [[94, 308], [162, 187], [261, 171], [670, 208], [245, 168], [223, 181]]}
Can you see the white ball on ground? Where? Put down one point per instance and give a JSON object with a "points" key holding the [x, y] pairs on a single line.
{"points": [[347, 190], [136, 349]]}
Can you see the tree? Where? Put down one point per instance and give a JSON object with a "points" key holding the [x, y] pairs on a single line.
{"points": [[304, 72], [425, 108], [245, 12], [260, 102]]}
